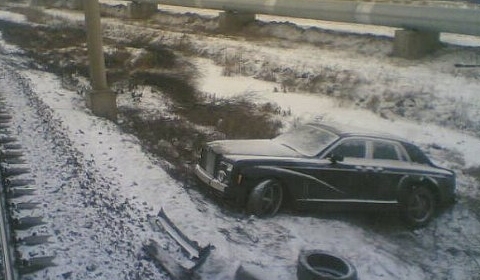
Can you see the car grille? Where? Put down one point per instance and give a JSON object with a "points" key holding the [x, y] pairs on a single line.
{"points": [[208, 161]]}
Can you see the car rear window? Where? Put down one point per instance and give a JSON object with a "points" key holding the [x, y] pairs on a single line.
{"points": [[416, 155], [384, 151]]}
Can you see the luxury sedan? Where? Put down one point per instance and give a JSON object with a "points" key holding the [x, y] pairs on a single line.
{"points": [[320, 164]]}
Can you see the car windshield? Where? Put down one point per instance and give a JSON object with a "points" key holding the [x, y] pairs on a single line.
{"points": [[308, 140]]}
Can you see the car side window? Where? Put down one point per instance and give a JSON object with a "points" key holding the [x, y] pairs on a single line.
{"points": [[416, 155], [383, 150], [351, 148]]}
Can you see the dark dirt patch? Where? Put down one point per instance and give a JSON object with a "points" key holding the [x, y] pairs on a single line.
{"points": [[178, 140], [42, 38], [58, 50], [236, 119], [177, 85]]}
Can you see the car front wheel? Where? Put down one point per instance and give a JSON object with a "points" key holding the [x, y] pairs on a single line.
{"points": [[265, 199], [419, 206]]}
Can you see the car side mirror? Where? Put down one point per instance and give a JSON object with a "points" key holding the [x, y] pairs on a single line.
{"points": [[335, 158]]}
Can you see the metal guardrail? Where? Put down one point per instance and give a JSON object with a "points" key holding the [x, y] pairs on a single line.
{"points": [[414, 16]]}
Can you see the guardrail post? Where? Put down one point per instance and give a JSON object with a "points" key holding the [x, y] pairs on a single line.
{"points": [[413, 44], [232, 21]]}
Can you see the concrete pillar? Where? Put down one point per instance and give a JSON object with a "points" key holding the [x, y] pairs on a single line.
{"points": [[413, 44], [231, 21], [141, 10], [101, 100]]}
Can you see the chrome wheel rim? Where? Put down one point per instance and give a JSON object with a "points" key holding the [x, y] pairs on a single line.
{"points": [[420, 207], [271, 198]]}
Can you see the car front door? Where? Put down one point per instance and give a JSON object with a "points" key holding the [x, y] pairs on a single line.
{"points": [[340, 179]]}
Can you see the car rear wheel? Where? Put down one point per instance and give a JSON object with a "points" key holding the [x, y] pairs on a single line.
{"points": [[419, 206], [265, 199]]}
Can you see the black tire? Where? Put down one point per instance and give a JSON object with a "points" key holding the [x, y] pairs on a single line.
{"points": [[265, 198], [419, 206], [321, 265]]}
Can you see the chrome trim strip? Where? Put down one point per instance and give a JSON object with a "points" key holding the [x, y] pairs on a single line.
{"points": [[300, 174], [349, 201], [207, 179]]}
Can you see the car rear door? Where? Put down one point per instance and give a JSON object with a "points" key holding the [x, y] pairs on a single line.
{"points": [[386, 165]]}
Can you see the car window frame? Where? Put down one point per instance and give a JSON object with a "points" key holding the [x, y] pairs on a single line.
{"points": [[341, 141], [399, 148], [402, 154]]}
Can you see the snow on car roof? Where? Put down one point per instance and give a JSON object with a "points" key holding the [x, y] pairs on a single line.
{"points": [[344, 130]]}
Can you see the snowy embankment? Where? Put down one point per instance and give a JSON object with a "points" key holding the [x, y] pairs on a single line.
{"points": [[305, 107], [130, 176], [94, 241]]}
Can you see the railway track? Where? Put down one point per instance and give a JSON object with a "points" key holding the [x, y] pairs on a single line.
{"points": [[7, 270], [15, 217]]}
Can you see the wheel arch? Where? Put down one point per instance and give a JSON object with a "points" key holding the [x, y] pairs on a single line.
{"points": [[287, 178], [407, 182]]}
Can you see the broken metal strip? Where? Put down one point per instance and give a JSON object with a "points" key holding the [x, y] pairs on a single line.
{"points": [[192, 248], [164, 259]]}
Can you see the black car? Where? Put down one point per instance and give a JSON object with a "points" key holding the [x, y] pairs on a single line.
{"points": [[322, 164]]}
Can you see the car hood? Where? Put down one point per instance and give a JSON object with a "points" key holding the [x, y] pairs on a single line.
{"points": [[253, 147]]}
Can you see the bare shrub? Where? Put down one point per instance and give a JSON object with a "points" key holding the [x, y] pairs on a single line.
{"points": [[473, 171], [154, 57], [177, 85], [232, 63], [184, 45], [267, 73], [32, 14], [42, 38], [117, 57], [373, 103], [178, 139], [236, 119]]}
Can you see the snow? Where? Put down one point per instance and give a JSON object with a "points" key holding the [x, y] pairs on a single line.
{"points": [[305, 107], [111, 170]]}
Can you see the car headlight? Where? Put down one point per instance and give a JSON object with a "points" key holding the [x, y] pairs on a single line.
{"points": [[223, 174]]}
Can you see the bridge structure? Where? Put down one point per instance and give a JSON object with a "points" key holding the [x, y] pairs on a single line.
{"points": [[420, 23]]}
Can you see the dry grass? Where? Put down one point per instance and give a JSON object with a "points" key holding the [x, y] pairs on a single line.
{"points": [[32, 14], [176, 139]]}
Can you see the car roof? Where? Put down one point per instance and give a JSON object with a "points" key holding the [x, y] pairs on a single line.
{"points": [[343, 130]]}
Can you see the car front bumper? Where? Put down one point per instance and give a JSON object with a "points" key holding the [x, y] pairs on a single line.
{"points": [[209, 180]]}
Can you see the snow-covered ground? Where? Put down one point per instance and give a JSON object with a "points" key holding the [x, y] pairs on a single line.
{"points": [[97, 185]]}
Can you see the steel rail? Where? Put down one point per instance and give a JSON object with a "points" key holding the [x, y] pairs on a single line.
{"points": [[5, 238], [431, 18]]}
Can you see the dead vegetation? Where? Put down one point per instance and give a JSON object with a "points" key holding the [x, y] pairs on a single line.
{"points": [[192, 118], [474, 172], [162, 63]]}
